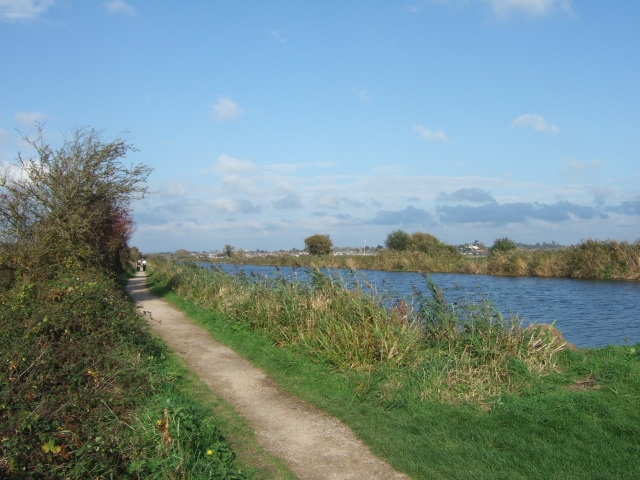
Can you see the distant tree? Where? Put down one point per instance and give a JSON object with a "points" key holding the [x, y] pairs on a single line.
{"points": [[502, 245], [318, 244], [228, 250], [182, 253], [398, 240]]}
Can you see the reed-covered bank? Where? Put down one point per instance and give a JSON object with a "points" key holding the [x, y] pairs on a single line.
{"points": [[590, 259], [441, 391], [472, 345]]}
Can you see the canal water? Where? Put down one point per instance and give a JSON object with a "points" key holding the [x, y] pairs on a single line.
{"points": [[589, 313]]}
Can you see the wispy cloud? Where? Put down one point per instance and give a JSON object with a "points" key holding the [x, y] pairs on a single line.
{"points": [[504, 9], [577, 169], [227, 205], [225, 109], [430, 134], [21, 10], [30, 119], [362, 94], [118, 6], [476, 195], [227, 165], [535, 121], [530, 8], [279, 36]]}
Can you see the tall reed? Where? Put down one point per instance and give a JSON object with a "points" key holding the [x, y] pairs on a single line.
{"points": [[464, 351]]}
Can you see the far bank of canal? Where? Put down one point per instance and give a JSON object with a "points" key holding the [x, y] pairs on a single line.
{"points": [[589, 313]]}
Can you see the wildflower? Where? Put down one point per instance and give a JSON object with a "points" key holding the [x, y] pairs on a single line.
{"points": [[209, 452]]}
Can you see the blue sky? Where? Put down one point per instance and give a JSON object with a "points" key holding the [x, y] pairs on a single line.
{"points": [[270, 121]]}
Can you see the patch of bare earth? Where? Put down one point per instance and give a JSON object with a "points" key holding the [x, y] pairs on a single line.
{"points": [[311, 443], [587, 383]]}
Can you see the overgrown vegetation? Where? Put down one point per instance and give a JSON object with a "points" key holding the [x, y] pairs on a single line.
{"points": [[348, 328], [85, 391], [442, 391]]}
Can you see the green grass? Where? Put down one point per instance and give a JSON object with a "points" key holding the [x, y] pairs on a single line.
{"points": [[204, 422], [578, 417]]}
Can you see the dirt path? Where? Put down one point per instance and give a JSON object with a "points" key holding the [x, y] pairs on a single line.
{"points": [[312, 444]]}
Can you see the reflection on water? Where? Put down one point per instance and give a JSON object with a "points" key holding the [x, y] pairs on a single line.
{"points": [[589, 313]]}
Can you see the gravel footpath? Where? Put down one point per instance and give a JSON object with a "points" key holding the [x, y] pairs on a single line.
{"points": [[313, 444]]}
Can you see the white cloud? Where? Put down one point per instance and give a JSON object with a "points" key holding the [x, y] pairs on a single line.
{"points": [[278, 36], [226, 165], [118, 6], [535, 121], [225, 109], [503, 9], [226, 205], [530, 8], [29, 119], [430, 135], [238, 184], [362, 94], [18, 10]]}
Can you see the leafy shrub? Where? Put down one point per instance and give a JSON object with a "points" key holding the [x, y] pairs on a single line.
{"points": [[502, 245]]}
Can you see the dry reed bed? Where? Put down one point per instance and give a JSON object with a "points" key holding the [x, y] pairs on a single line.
{"points": [[592, 259]]}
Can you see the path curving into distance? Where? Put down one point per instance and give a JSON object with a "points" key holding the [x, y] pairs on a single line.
{"points": [[313, 444]]}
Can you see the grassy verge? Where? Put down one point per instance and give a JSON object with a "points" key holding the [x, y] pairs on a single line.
{"points": [[606, 260], [185, 388], [471, 396]]}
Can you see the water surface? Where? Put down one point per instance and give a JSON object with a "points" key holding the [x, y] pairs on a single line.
{"points": [[589, 313]]}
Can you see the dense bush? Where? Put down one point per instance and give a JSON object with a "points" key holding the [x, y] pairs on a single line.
{"points": [[502, 245], [82, 388], [72, 370]]}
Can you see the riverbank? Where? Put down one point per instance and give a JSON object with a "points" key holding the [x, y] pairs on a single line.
{"points": [[590, 259], [471, 395]]}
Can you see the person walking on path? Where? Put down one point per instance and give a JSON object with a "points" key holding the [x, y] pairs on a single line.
{"points": [[313, 444], [144, 265]]}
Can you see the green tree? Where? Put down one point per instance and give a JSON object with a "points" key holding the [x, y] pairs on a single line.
{"points": [[228, 251], [70, 204], [502, 245], [398, 240], [318, 244]]}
